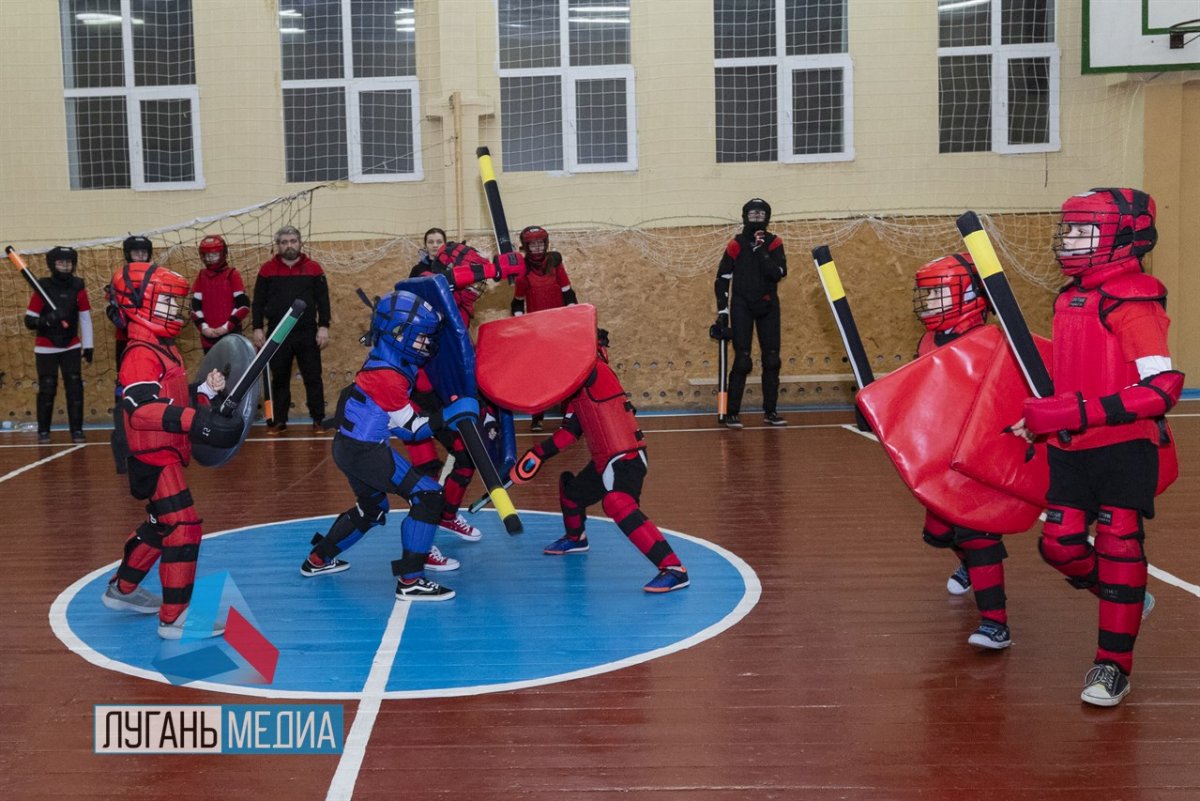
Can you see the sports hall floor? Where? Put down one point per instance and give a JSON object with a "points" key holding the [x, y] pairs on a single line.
{"points": [[844, 674]]}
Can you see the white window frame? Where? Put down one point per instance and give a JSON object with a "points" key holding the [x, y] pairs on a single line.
{"points": [[134, 95], [784, 67], [568, 77], [1000, 56], [353, 87]]}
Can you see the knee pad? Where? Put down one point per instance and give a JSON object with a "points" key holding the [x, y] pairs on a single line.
{"points": [[47, 384], [771, 361], [1064, 541], [73, 383], [427, 507], [742, 363], [369, 512], [1119, 535], [937, 532]]}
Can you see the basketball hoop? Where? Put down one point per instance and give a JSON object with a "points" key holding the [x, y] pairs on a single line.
{"points": [[1179, 29]]}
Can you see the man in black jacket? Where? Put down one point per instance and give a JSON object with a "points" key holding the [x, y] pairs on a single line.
{"points": [[289, 275]]}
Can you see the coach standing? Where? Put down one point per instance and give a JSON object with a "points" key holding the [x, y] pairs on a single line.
{"points": [[288, 276]]}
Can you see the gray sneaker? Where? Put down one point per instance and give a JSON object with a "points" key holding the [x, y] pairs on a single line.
{"points": [[140, 600], [1148, 605]]}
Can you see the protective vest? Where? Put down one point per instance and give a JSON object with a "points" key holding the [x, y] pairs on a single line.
{"points": [[544, 290], [360, 417], [158, 448], [606, 417], [1087, 351], [65, 295]]}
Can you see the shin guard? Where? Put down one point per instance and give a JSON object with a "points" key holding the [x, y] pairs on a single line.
{"points": [[574, 515], [1122, 573], [640, 530], [984, 555]]}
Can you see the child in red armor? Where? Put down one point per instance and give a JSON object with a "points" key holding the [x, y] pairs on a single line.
{"points": [[949, 301], [1113, 383], [545, 285], [162, 416], [600, 412]]}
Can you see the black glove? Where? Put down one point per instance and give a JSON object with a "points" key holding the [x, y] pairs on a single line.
{"points": [[720, 330], [217, 430], [51, 318], [88, 355]]}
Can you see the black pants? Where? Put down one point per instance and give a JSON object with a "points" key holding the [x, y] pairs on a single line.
{"points": [[48, 367], [301, 345], [745, 317]]}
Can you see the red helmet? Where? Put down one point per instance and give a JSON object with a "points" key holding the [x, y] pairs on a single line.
{"points": [[947, 294], [531, 234], [152, 296], [214, 244], [1102, 226]]}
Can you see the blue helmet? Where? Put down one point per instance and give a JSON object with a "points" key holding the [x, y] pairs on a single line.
{"points": [[404, 329]]}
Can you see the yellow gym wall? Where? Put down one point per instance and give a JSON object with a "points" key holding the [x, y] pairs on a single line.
{"points": [[641, 245]]}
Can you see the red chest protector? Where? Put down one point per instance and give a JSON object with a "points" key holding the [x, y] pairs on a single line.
{"points": [[606, 417], [1087, 351], [544, 291], [158, 448]]}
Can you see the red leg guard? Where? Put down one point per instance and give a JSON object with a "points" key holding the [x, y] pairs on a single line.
{"points": [[574, 515], [142, 550], [171, 505], [640, 530], [939, 533], [421, 452], [1122, 589], [984, 556], [1064, 546], [456, 488]]}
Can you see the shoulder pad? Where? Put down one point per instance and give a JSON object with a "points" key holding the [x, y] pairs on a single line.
{"points": [[1134, 286], [733, 249], [554, 259]]}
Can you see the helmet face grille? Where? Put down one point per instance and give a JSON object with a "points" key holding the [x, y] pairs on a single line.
{"points": [[1103, 226], [946, 293]]}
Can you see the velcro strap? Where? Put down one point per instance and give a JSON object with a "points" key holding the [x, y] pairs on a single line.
{"points": [[1116, 643], [172, 419], [1115, 413], [1121, 593], [990, 599], [171, 503], [982, 557], [181, 553], [631, 522], [177, 595]]}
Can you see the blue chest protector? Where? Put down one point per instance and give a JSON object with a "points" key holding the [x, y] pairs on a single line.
{"points": [[361, 417]]}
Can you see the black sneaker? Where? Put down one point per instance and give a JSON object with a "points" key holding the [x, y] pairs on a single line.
{"points": [[1104, 685], [43, 437], [992, 635], [773, 419], [78, 437], [336, 566], [732, 421], [422, 589], [959, 582], [535, 425]]}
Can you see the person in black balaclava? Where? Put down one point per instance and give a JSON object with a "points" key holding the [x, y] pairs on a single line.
{"points": [[63, 336], [754, 264]]}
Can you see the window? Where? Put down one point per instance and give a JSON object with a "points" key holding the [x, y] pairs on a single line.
{"points": [[784, 81], [566, 86], [998, 76], [129, 82], [351, 106]]}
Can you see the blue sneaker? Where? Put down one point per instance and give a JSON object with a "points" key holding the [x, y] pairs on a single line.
{"points": [[959, 582], [564, 545], [668, 579]]}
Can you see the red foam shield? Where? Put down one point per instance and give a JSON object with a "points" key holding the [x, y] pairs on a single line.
{"points": [[940, 420], [533, 362]]}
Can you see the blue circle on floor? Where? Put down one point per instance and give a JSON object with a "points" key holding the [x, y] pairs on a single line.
{"points": [[519, 618]]}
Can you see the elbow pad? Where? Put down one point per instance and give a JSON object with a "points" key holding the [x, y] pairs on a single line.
{"points": [[1149, 398], [569, 298]]}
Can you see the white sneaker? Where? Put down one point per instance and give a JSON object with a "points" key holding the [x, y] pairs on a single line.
{"points": [[174, 630], [438, 562], [1148, 605], [140, 600], [959, 582], [462, 528], [1104, 685]]}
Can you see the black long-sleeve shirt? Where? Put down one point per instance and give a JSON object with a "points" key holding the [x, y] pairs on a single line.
{"points": [[278, 285]]}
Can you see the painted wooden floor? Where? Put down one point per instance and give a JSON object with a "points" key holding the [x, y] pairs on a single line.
{"points": [[850, 678]]}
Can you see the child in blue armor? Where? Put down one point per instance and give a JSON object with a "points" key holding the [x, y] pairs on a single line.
{"points": [[377, 406]]}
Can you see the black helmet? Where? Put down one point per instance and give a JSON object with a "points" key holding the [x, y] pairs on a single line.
{"points": [[133, 243], [58, 253], [756, 204]]}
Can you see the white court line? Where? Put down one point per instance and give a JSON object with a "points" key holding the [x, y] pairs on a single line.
{"points": [[341, 788], [39, 463], [1158, 573]]}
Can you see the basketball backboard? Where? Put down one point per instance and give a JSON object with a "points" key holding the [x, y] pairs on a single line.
{"points": [[1135, 35]]}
